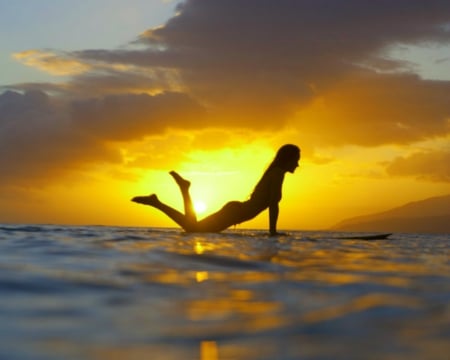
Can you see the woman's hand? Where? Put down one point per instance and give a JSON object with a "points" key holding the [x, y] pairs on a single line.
{"points": [[276, 233]]}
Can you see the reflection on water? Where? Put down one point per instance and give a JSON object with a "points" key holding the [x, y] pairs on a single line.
{"points": [[208, 350], [116, 293], [201, 276]]}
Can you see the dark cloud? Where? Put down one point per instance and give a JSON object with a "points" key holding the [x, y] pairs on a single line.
{"points": [[431, 166], [41, 138], [113, 82], [232, 33], [99, 83], [131, 116], [260, 61], [38, 140]]}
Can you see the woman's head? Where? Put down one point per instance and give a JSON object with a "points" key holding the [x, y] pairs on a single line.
{"points": [[287, 158]]}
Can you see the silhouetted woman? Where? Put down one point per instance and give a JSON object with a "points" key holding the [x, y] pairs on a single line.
{"points": [[267, 194]]}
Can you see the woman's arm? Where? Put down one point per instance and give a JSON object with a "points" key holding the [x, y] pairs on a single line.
{"points": [[273, 218], [275, 185]]}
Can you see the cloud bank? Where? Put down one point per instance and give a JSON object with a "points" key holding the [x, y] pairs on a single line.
{"points": [[318, 66], [431, 166]]}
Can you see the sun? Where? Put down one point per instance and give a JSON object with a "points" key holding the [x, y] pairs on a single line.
{"points": [[199, 207]]}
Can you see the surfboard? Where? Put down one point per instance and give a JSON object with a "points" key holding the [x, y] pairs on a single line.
{"points": [[364, 237]]}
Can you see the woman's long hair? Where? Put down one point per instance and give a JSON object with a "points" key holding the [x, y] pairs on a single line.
{"points": [[284, 154]]}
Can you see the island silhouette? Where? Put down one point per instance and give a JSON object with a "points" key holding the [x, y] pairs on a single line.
{"points": [[430, 215]]}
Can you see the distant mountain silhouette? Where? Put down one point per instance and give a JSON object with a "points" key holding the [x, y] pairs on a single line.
{"points": [[426, 216]]}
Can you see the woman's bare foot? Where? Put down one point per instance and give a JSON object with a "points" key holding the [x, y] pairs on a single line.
{"points": [[182, 183], [151, 200]]}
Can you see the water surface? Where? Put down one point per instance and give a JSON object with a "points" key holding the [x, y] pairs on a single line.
{"points": [[134, 293]]}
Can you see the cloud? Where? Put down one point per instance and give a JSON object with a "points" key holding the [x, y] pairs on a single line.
{"points": [[41, 138], [430, 166], [38, 140], [51, 62], [125, 81], [373, 109], [261, 65], [132, 116]]}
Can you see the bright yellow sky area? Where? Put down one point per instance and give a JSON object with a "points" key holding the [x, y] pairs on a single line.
{"points": [[315, 197]]}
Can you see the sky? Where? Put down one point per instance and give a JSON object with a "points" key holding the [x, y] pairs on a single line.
{"points": [[99, 100]]}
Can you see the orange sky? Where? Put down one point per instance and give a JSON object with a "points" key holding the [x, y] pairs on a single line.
{"points": [[213, 92]]}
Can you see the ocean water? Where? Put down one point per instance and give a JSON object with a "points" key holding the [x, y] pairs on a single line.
{"points": [[143, 293]]}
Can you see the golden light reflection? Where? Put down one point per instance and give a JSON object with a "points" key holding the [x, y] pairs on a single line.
{"points": [[209, 350], [351, 267], [204, 309], [201, 276], [170, 277], [241, 295], [360, 304], [187, 277], [198, 248]]}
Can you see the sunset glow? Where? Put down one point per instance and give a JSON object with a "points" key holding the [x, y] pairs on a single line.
{"points": [[200, 207], [92, 128]]}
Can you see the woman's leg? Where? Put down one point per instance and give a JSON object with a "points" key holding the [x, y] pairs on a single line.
{"points": [[175, 215], [188, 220], [184, 185]]}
